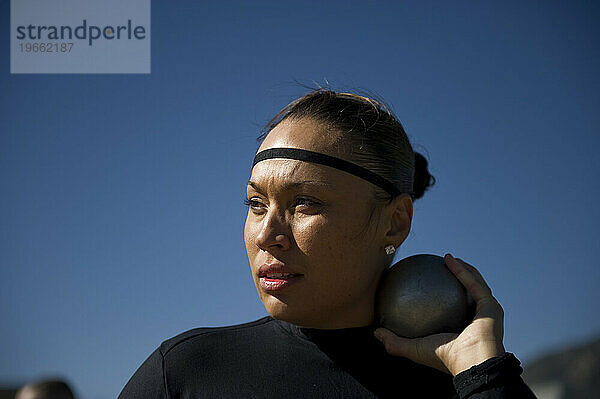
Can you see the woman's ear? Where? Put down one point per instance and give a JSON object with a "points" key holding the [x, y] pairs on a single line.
{"points": [[400, 213]]}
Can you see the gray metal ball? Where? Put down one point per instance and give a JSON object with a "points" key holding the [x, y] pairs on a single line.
{"points": [[419, 296]]}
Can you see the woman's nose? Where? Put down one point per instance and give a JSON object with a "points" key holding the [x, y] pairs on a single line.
{"points": [[273, 233]]}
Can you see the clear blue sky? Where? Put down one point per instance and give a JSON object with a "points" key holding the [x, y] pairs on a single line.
{"points": [[121, 209]]}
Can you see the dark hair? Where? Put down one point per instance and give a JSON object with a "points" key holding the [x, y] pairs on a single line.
{"points": [[371, 135]]}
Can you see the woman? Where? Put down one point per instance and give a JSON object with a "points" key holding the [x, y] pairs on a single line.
{"points": [[330, 200]]}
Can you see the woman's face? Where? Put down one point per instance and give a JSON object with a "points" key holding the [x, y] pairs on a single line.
{"points": [[314, 259]]}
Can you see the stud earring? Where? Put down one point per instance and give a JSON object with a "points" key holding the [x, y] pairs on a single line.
{"points": [[390, 249]]}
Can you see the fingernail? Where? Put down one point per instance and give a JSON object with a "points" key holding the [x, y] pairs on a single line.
{"points": [[378, 335]]}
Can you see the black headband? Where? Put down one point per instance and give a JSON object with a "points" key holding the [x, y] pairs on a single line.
{"points": [[315, 157]]}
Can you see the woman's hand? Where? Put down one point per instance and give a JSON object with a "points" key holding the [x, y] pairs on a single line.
{"points": [[450, 352]]}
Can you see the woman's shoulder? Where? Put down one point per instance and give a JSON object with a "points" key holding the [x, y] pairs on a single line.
{"points": [[210, 348], [205, 336]]}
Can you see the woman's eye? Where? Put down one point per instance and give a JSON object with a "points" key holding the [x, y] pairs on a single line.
{"points": [[252, 203], [306, 202]]}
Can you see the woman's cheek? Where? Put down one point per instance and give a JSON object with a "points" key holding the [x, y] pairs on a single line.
{"points": [[250, 233], [314, 237], [247, 228]]}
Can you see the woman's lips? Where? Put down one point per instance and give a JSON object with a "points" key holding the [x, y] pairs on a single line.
{"points": [[276, 276], [273, 284]]}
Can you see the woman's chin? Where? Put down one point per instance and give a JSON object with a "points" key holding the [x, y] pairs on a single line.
{"points": [[276, 308], [284, 311]]}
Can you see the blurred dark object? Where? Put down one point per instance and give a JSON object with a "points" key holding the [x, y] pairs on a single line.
{"points": [[572, 373], [7, 393], [46, 389]]}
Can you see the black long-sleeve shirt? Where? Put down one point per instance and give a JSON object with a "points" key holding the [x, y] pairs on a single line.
{"points": [[270, 358]]}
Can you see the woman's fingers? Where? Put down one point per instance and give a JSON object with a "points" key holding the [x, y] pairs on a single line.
{"points": [[419, 350], [478, 289], [469, 276], [473, 270], [396, 345]]}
